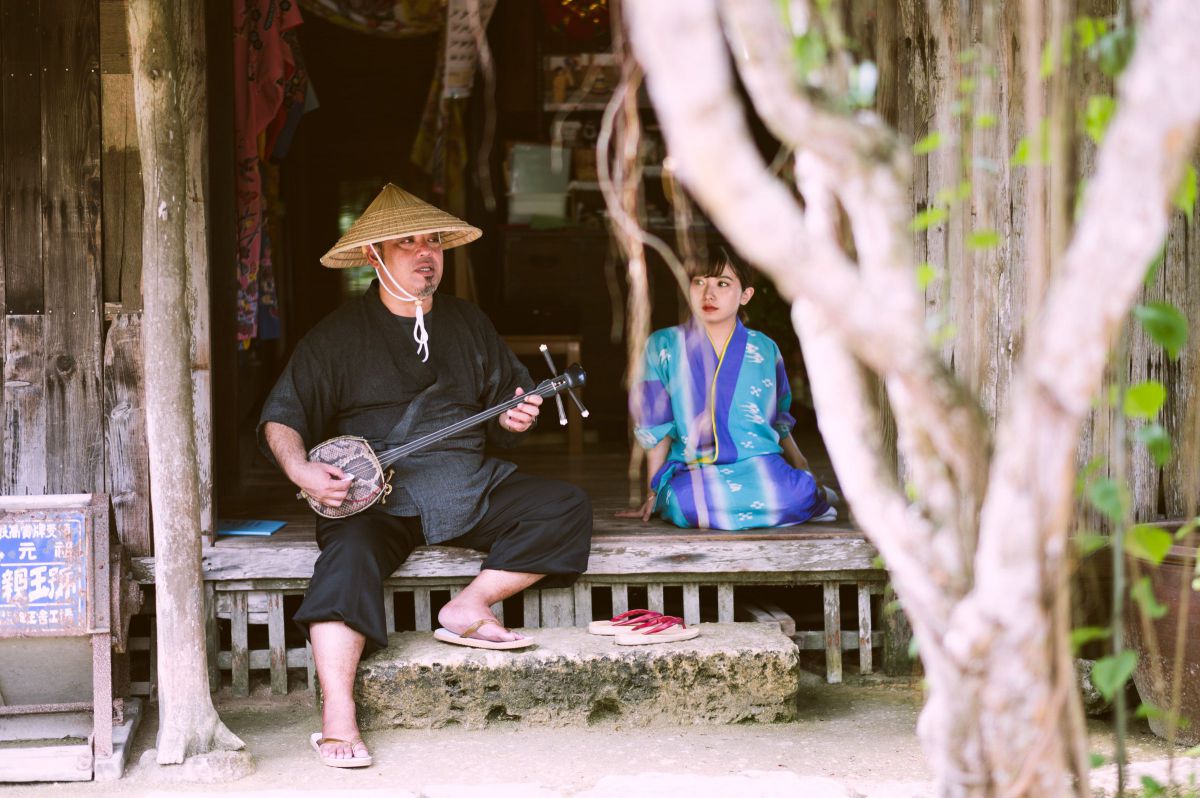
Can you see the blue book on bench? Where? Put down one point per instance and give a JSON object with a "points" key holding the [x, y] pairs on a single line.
{"points": [[240, 526]]}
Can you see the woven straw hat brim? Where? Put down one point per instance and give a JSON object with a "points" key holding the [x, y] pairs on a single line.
{"points": [[394, 214]]}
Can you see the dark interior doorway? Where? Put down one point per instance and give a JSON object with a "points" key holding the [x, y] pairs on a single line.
{"points": [[530, 281]]}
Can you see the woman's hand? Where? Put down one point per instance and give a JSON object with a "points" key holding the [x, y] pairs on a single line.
{"points": [[523, 416], [644, 512]]}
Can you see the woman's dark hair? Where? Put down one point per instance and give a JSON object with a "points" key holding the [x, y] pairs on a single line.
{"points": [[716, 262]]}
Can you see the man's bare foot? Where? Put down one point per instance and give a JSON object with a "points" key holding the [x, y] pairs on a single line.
{"points": [[339, 722], [351, 748], [459, 615]]}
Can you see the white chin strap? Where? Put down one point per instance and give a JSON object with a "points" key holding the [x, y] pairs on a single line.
{"points": [[420, 334]]}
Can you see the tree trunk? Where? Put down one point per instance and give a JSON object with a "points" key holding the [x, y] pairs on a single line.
{"points": [[188, 723]]}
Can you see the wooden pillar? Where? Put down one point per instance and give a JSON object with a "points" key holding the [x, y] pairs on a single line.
{"points": [[160, 36]]}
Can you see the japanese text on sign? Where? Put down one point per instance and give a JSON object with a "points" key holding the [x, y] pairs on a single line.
{"points": [[43, 574]]}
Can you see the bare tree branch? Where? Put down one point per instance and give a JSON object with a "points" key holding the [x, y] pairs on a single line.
{"points": [[934, 414]]}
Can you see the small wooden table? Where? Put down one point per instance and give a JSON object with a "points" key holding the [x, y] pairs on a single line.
{"points": [[563, 345]]}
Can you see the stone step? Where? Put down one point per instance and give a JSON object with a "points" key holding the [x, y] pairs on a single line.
{"points": [[731, 673]]}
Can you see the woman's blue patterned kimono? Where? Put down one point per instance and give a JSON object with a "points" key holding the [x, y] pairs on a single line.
{"points": [[725, 415]]}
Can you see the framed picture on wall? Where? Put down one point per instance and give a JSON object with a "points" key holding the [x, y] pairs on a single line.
{"points": [[584, 81]]}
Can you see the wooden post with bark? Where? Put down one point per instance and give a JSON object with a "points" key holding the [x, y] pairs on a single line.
{"points": [[976, 541], [160, 35]]}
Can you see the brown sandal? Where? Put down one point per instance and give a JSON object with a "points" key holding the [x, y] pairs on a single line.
{"points": [[465, 639]]}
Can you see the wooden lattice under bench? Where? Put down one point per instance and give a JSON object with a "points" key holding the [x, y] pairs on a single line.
{"points": [[248, 587], [253, 583]]}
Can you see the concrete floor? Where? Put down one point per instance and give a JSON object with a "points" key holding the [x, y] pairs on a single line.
{"points": [[861, 734]]}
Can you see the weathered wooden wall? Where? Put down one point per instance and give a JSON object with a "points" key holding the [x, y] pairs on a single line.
{"points": [[980, 297], [53, 439], [127, 476], [71, 262]]}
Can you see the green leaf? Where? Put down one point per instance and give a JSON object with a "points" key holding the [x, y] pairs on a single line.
{"points": [[1099, 113], [953, 194], [1148, 543], [983, 239], [966, 85], [1187, 529], [1085, 476], [809, 53], [928, 218], [1143, 595], [864, 79], [1112, 51], [1148, 711], [967, 56], [877, 562], [1088, 634], [943, 334], [1185, 195], [985, 121], [1108, 497], [1165, 325], [1110, 673], [1048, 60], [1157, 442], [1151, 788], [1080, 194], [1096, 760], [1155, 265], [1145, 399], [928, 144], [926, 274], [1020, 156], [1090, 543], [913, 648], [1088, 30], [1192, 751]]}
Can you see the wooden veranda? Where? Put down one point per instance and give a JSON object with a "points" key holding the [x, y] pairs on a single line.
{"points": [[254, 583]]}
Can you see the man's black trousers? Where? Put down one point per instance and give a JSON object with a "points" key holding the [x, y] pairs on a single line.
{"points": [[532, 525]]}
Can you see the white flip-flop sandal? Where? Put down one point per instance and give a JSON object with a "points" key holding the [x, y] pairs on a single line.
{"points": [[316, 741], [465, 639]]}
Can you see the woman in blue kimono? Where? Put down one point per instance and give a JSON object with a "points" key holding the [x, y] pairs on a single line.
{"points": [[712, 409]]}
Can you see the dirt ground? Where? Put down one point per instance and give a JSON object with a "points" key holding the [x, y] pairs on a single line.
{"points": [[860, 733]]}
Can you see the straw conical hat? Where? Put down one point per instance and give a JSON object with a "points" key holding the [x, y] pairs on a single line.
{"points": [[395, 213]]}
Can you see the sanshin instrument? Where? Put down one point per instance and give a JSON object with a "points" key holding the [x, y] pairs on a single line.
{"points": [[355, 457]]}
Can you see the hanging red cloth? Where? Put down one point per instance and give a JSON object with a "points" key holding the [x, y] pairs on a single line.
{"points": [[267, 82]]}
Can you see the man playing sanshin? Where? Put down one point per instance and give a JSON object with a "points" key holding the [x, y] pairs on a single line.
{"points": [[389, 366]]}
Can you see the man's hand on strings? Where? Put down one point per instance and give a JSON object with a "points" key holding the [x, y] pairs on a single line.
{"points": [[325, 483], [524, 415]]}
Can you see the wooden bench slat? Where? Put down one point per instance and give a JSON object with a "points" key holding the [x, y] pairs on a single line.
{"points": [[240, 663], [558, 607], [533, 609], [725, 603], [389, 610], [583, 603], [620, 598], [654, 597], [865, 665], [691, 603], [422, 609], [275, 637], [833, 633]]}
